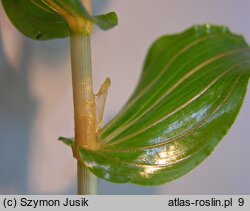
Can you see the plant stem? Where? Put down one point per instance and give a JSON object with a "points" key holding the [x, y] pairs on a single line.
{"points": [[86, 181], [84, 106]]}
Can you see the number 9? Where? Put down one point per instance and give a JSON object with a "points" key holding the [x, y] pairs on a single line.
{"points": [[241, 202]]}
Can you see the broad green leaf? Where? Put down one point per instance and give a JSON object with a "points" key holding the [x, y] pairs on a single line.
{"points": [[37, 19], [190, 92]]}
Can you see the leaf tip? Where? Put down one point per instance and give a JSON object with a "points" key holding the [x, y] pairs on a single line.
{"points": [[106, 21]]}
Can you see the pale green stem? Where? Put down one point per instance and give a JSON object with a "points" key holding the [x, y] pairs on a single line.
{"points": [[86, 181], [84, 107]]}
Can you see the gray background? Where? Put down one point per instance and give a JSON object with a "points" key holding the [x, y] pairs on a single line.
{"points": [[36, 98]]}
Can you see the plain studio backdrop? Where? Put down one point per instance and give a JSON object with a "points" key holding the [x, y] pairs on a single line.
{"points": [[36, 98]]}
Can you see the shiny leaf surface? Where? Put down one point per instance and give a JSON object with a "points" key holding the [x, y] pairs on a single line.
{"points": [[189, 94], [37, 19]]}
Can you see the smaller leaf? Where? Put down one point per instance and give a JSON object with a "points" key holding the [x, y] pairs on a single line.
{"points": [[75, 8], [49, 19], [35, 20]]}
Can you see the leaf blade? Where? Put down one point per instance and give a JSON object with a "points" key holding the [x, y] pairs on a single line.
{"points": [[35, 19], [38, 20], [166, 131], [75, 8]]}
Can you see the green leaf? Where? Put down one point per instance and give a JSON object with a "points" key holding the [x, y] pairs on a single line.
{"points": [[190, 92], [106, 21], [39, 20], [76, 9], [35, 19]]}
